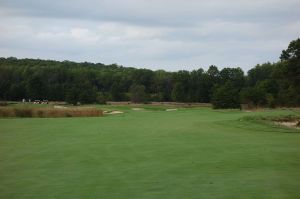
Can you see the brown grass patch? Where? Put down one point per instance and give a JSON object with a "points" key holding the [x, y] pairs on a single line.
{"points": [[49, 112], [3, 103]]}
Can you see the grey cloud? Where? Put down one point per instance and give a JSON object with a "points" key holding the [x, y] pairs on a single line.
{"points": [[156, 12], [156, 34]]}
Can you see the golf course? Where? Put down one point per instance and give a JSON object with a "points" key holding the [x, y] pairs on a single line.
{"points": [[146, 152]]}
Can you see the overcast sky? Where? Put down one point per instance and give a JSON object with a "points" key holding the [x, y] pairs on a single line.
{"points": [[155, 34]]}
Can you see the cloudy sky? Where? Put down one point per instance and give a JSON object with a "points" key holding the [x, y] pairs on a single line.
{"points": [[155, 34]]}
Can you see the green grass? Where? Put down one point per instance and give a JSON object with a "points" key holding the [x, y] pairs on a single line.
{"points": [[189, 153]]}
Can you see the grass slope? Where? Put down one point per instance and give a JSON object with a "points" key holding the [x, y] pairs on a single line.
{"points": [[189, 153]]}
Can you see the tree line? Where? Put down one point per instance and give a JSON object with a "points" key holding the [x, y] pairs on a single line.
{"points": [[268, 84]]}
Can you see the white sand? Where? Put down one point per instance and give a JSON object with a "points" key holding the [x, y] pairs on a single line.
{"points": [[138, 109], [172, 109], [292, 124], [114, 112], [60, 107]]}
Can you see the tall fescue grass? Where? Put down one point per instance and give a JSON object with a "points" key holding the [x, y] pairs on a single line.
{"points": [[2, 103], [49, 112]]}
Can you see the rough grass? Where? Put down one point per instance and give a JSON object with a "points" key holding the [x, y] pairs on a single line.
{"points": [[189, 153], [49, 112]]}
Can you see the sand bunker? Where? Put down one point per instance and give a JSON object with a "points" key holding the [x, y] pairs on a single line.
{"points": [[138, 109], [291, 124], [59, 107], [113, 112], [172, 109]]}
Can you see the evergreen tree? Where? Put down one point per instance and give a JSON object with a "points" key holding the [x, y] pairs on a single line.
{"points": [[226, 96]]}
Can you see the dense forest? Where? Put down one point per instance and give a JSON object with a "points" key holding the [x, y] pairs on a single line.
{"points": [[268, 84]]}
